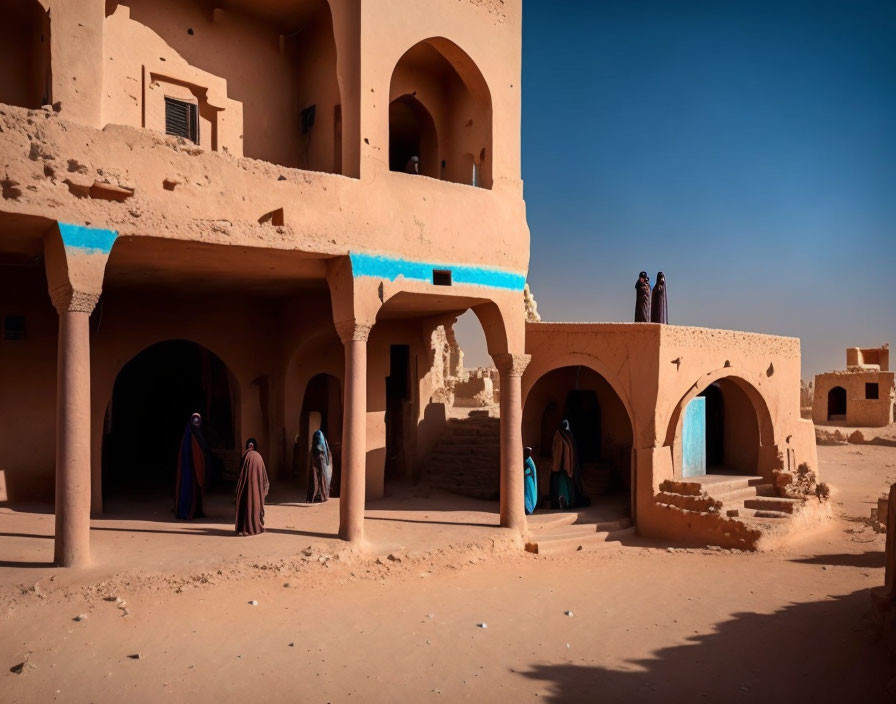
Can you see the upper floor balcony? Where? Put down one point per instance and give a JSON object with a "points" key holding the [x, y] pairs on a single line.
{"points": [[306, 116]]}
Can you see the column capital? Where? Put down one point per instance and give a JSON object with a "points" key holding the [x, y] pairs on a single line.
{"points": [[511, 364], [352, 331], [66, 299]]}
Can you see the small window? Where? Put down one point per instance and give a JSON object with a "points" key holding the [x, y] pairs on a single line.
{"points": [[14, 327], [872, 391], [181, 119], [441, 277]]}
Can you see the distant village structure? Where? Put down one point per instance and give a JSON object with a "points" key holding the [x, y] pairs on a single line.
{"points": [[272, 214], [863, 394]]}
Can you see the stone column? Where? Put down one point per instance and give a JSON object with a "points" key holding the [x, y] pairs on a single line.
{"points": [[73, 440], [511, 368], [354, 431]]}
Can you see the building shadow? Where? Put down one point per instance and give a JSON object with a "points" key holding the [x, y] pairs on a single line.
{"points": [[820, 652], [870, 558]]}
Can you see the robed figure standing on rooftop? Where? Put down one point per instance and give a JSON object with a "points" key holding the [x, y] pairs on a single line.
{"points": [[642, 298], [251, 490], [191, 464], [659, 307]]}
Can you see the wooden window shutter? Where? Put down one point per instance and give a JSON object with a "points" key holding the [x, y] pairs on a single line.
{"points": [[181, 119]]}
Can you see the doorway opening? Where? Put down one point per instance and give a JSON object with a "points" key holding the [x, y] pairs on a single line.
{"points": [[154, 395], [837, 403], [398, 413], [321, 410]]}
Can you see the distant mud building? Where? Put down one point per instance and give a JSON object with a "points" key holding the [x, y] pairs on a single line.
{"points": [[863, 394]]}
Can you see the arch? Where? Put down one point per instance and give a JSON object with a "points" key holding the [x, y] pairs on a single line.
{"points": [[836, 403], [600, 421], [443, 78], [738, 424], [539, 369], [412, 133], [321, 409], [25, 38], [153, 395]]}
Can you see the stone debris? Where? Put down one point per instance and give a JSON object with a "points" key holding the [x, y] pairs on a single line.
{"points": [[253, 603], [80, 617], [136, 656], [483, 625], [568, 613]]}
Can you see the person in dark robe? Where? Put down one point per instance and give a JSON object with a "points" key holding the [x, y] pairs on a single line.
{"points": [[413, 165], [530, 479], [191, 464], [321, 469], [251, 489], [642, 298], [659, 307], [564, 456]]}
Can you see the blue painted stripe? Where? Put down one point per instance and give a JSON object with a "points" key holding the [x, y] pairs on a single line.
{"points": [[90, 239], [390, 268]]}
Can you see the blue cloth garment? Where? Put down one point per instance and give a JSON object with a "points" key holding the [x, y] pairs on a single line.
{"points": [[531, 485]]}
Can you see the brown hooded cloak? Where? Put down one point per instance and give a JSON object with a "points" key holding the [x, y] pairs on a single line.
{"points": [[251, 488]]}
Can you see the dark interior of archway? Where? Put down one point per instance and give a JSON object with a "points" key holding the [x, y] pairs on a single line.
{"points": [[836, 402], [715, 426], [323, 396], [398, 407], [412, 133], [597, 418], [25, 38], [154, 395]]}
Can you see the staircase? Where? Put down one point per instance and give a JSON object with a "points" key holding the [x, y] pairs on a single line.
{"points": [[750, 508], [467, 460], [558, 533]]}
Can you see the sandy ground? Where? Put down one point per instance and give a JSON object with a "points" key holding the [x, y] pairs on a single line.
{"points": [[648, 622]]}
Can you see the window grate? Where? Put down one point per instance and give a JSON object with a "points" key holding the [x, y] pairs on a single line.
{"points": [[181, 119]]}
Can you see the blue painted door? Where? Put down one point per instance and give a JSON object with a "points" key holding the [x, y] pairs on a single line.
{"points": [[693, 439]]}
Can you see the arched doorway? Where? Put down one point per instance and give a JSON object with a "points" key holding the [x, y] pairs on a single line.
{"points": [[837, 403], [321, 410], [25, 38], [443, 80], [412, 133], [600, 424], [154, 395], [720, 430]]}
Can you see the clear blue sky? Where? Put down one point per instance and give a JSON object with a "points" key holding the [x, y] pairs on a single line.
{"points": [[747, 149]]}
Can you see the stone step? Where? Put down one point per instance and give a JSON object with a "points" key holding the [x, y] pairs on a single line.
{"points": [[558, 543], [734, 495], [769, 503], [686, 502]]}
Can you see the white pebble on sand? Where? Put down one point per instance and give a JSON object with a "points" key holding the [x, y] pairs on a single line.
{"points": [[253, 603]]}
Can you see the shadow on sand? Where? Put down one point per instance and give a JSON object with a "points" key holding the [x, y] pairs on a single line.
{"points": [[822, 651]]}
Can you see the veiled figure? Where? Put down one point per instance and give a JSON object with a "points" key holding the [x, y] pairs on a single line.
{"points": [[564, 456], [191, 463], [642, 298], [530, 479], [659, 307], [321, 469], [251, 489]]}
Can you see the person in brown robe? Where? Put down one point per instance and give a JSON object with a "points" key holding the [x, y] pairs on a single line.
{"points": [[563, 467], [251, 490], [642, 298], [659, 307]]}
